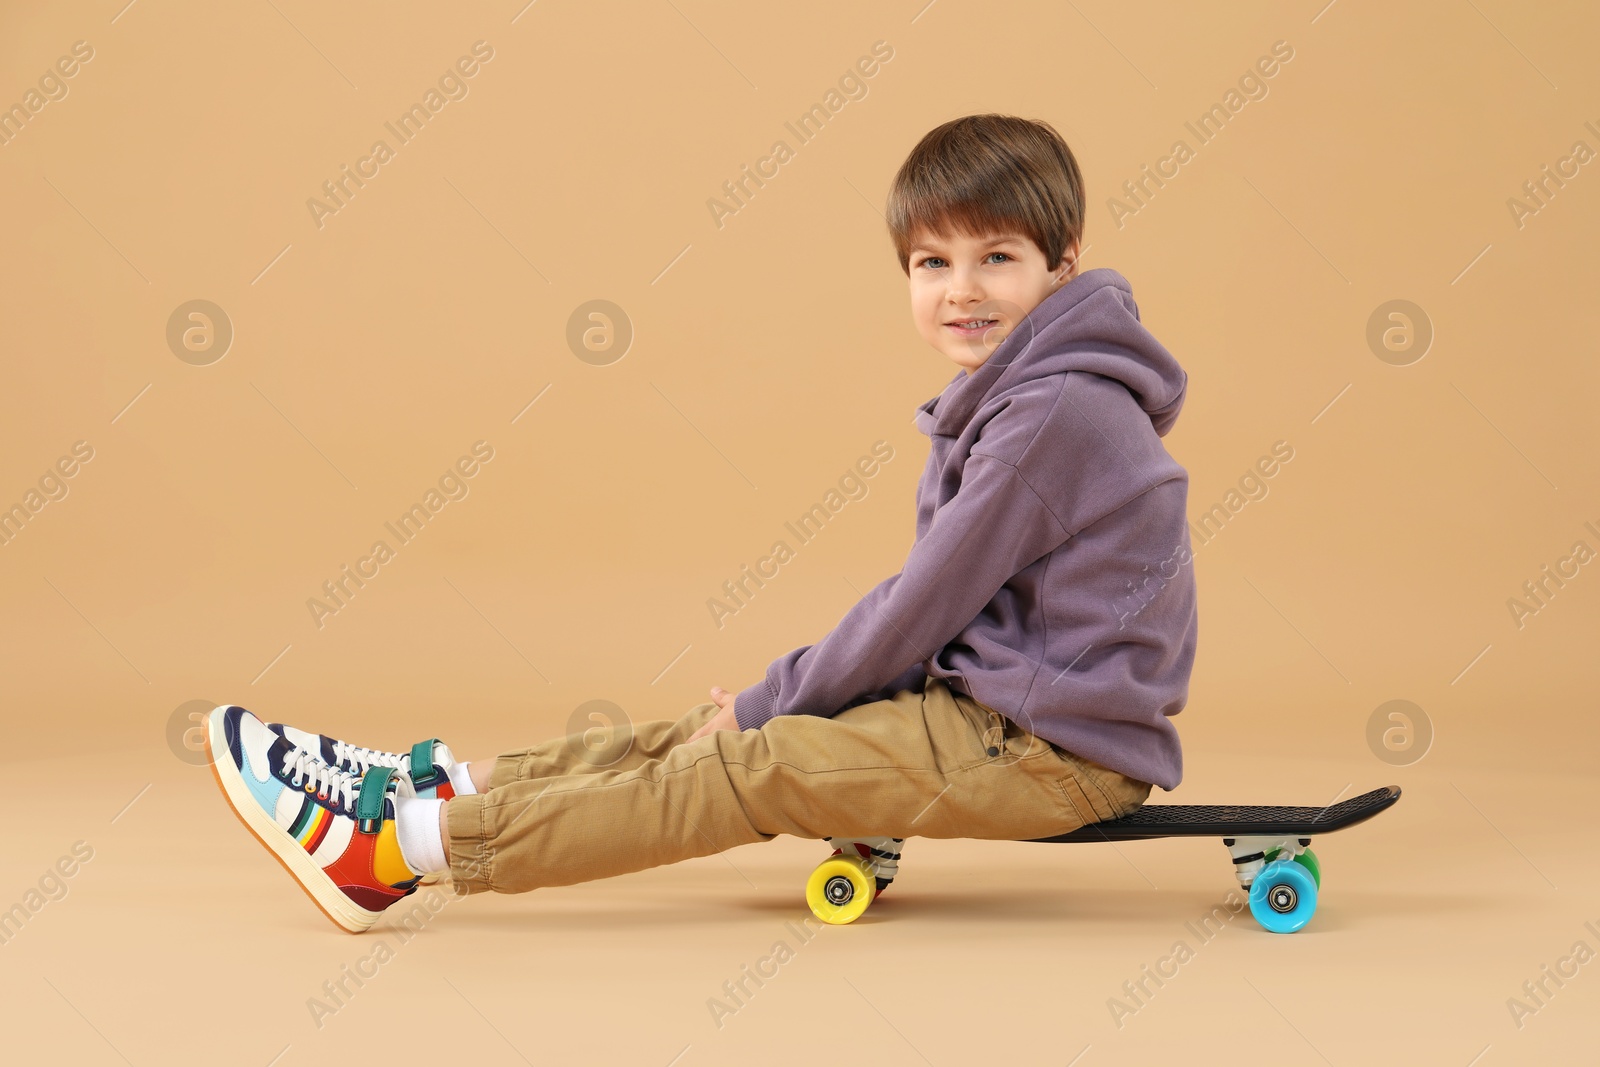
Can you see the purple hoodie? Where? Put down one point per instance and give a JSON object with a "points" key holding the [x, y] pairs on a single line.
{"points": [[1051, 576]]}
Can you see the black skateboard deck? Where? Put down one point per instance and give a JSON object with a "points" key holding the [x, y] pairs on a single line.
{"points": [[1232, 820]]}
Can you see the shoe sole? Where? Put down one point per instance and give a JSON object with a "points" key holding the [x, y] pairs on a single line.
{"points": [[324, 893]]}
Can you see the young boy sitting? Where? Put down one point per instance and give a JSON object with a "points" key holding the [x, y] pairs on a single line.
{"points": [[1014, 680]]}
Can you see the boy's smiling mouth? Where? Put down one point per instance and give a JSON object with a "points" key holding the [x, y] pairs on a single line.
{"points": [[971, 325]]}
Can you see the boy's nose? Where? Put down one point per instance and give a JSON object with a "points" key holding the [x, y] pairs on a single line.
{"points": [[961, 291]]}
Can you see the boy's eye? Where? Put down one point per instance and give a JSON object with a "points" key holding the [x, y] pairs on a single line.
{"points": [[935, 262]]}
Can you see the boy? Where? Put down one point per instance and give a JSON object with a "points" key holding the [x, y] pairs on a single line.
{"points": [[1015, 680]]}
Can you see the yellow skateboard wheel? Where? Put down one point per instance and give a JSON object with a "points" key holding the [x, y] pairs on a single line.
{"points": [[840, 889]]}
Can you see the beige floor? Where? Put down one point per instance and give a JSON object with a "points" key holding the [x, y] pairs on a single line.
{"points": [[181, 941]]}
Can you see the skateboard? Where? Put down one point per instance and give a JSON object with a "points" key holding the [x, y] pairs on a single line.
{"points": [[1270, 847]]}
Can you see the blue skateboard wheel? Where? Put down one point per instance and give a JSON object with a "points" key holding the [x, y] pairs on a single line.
{"points": [[1283, 897]]}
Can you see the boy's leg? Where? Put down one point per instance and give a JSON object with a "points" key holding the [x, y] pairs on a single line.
{"points": [[931, 764], [622, 747]]}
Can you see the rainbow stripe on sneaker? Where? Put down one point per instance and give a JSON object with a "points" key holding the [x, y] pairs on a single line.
{"points": [[332, 830], [312, 825]]}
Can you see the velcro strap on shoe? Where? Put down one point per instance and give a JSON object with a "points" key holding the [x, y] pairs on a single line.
{"points": [[369, 803], [422, 756]]}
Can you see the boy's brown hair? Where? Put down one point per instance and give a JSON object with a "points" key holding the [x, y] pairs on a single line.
{"points": [[988, 173]]}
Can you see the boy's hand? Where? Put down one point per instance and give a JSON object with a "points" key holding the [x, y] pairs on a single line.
{"points": [[722, 720]]}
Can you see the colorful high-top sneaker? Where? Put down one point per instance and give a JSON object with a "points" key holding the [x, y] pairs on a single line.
{"points": [[432, 756], [882, 852], [435, 783], [332, 830]]}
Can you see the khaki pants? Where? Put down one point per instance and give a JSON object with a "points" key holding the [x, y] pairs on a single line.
{"points": [[930, 764]]}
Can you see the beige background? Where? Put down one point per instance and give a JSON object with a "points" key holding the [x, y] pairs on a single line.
{"points": [[768, 355]]}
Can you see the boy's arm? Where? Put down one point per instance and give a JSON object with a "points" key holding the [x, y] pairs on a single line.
{"points": [[1054, 457], [913, 677], [995, 526]]}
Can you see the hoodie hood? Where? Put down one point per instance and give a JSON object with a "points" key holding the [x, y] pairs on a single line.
{"points": [[1090, 324]]}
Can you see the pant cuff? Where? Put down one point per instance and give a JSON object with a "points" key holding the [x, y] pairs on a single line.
{"points": [[471, 856]]}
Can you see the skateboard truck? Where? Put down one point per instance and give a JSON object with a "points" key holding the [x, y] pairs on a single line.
{"points": [[1250, 853]]}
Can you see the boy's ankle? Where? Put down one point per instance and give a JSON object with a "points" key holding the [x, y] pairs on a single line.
{"points": [[420, 835]]}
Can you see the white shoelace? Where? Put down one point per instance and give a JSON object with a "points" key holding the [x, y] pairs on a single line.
{"points": [[340, 788], [362, 758]]}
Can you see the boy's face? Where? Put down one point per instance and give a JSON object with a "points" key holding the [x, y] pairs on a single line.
{"points": [[997, 278]]}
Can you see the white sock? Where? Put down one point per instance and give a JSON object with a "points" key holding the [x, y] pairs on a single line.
{"points": [[460, 780], [416, 826]]}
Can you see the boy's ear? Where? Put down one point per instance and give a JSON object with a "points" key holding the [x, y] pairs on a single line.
{"points": [[1069, 264]]}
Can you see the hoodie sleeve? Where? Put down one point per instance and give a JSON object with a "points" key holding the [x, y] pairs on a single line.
{"points": [[995, 526]]}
